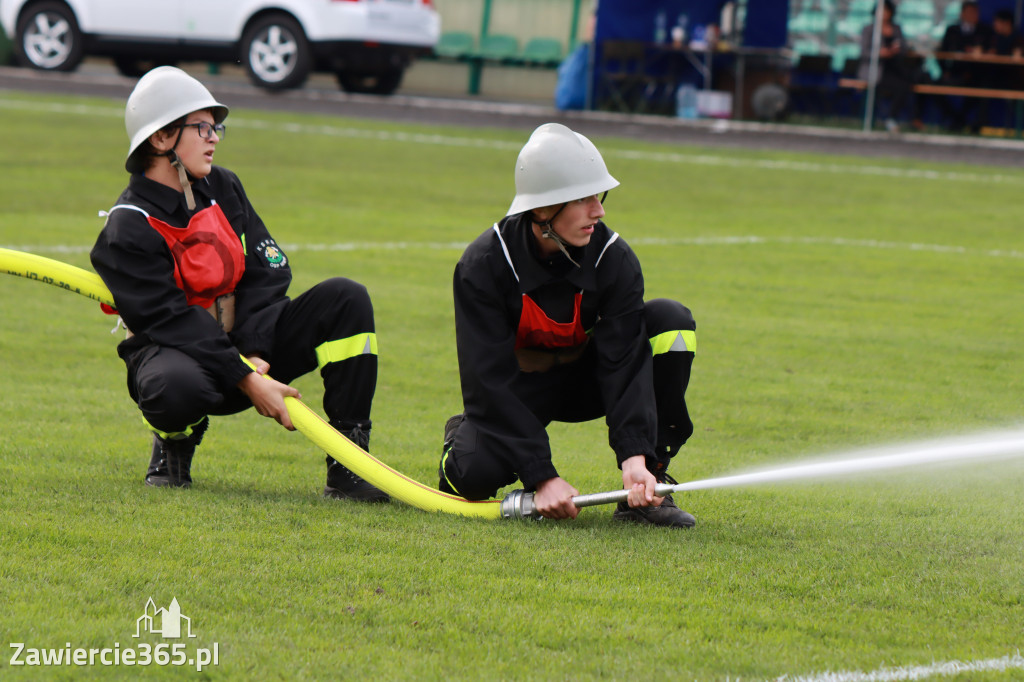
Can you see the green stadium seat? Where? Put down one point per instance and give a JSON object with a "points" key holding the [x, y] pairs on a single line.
{"points": [[852, 24], [917, 27], [547, 51], [455, 45], [807, 46], [843, 52], [498, 47], [809, 22], [915, 9]]}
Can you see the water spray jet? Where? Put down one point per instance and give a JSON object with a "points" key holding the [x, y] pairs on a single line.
{"points": [[965, 450]]}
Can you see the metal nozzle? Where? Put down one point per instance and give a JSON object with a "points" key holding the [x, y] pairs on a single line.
{"points": [[518, 504]]}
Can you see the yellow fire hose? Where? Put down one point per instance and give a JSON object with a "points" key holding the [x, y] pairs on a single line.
{"points": [[308, 422]]}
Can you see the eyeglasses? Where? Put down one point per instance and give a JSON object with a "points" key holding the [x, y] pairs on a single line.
{"points": [[206, 130], [586, 200]]}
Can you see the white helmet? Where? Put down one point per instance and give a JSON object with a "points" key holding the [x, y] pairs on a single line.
{"points": [[557, 165], [162, 96]]}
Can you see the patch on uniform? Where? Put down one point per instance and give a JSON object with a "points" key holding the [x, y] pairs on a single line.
{"points": [[272, 253]]}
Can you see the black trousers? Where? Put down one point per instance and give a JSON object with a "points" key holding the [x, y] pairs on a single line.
{"points": [[174, 392], [897, 89], [571, 393]]}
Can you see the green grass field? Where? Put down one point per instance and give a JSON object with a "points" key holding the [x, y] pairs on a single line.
{"points": [[841, 303]]}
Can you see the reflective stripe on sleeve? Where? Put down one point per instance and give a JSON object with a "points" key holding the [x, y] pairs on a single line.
{"points": [[675, 340], [343, 349]]}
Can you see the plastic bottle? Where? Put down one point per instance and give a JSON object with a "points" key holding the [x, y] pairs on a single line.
{"points": [[660, 28], [686, 101], [699, 40], [683, 22]]}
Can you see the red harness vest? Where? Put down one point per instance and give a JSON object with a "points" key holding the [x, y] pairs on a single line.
{"points": [[536, 329], [208, 256]]}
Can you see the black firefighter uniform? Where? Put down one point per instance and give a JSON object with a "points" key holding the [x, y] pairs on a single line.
{"points": [[542, 340]]}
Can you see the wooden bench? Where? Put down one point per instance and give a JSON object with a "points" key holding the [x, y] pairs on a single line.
{"points": [[951, 90]]}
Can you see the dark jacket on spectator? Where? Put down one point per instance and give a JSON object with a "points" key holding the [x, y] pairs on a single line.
{"points": [[956, 39], [891, 64], [1004, 45]]}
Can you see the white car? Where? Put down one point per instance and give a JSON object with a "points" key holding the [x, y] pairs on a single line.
{"points": [[368, 44]]}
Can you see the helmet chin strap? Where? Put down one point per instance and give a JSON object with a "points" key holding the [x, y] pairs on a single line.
{"points": [[549, 233], [184, 177], [186, 184]]}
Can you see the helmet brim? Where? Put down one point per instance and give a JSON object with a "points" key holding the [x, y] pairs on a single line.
{"points": [[528, 202]]}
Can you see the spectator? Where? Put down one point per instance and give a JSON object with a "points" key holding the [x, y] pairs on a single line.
{"points": [[895, 79], [1003, 42], [968, 36]]}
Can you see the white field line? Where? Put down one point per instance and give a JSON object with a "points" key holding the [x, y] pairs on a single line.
{"points": [[741, 240], [482, 143], [915, 672]]}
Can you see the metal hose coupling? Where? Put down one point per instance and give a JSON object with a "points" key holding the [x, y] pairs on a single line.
{"points": [[518, 504]]}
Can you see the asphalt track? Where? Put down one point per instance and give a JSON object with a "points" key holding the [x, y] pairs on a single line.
{"points": [[320, 96]]}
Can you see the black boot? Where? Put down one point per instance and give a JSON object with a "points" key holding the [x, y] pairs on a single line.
{"points": [[666, 514], [170, 464], [341, 482]]}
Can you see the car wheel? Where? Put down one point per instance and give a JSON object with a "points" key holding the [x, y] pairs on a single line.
{"points": [[136, 68], [48, 38], [377, 83], [275, 53]]}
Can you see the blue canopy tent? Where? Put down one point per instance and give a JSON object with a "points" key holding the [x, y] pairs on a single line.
{"points": [[652, 21], [765, 24]]}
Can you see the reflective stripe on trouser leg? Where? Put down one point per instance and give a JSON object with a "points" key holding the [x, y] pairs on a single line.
{"points": [[343, 349], [172, 435], [444, 472], [330, 327], [673, 345], [674, 341], [349, 370]]}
